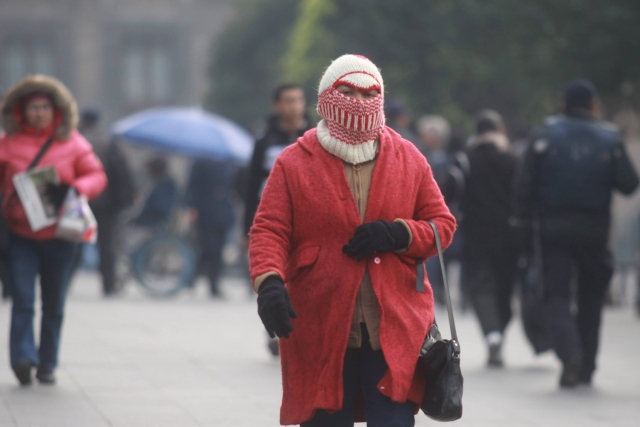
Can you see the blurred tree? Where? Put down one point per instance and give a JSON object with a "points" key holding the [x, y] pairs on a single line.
{"points": [[458, 56], [246, 65]]}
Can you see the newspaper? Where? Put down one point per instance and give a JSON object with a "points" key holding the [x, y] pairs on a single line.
{"points": [[30, 187]]}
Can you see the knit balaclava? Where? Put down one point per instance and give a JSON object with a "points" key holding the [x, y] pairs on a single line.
{"points": [[350, 128]]}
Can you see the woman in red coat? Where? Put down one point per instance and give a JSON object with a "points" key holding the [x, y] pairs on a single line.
{"points": [[34, 111], [334, 245]]}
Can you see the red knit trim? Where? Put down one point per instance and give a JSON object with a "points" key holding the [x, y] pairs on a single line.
{"points": [[340, 81]]}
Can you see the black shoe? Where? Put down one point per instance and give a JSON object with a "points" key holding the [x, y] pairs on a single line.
{"points": [[495, 356], [585, 378], [46, 377], [570, 374], [22, 370]]}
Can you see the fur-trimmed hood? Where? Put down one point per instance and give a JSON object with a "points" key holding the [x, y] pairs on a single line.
{"points": [[61, 96]]}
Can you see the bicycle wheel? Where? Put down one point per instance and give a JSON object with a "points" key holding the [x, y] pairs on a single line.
{"points": [[164, 265]]}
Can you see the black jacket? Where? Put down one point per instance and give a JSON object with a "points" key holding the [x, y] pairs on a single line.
{"points": [[569, 172], [267, 148], [487, 202], [120, 192], [210, 190]]}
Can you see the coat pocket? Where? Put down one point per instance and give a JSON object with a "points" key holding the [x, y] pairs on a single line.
{"points": [[302, 259]]}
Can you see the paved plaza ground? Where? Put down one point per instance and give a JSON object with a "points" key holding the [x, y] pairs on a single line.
{"points": [[135, 361]]}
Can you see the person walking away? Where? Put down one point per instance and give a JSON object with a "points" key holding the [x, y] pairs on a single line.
{"points": [[288, 123], [158, 206], [209, 198], [490, 253], [36, 110], [118, 196], [572, 166], [333, 252]]}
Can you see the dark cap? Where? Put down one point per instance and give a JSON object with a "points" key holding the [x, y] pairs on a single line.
{"points": [[579, 94], [488, 121]]}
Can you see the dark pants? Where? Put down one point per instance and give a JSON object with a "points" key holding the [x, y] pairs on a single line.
{"points": [[53, 260], [575, 337], [212, 239], [363, 370], [107, 237], [490, 269], [5, 276]]}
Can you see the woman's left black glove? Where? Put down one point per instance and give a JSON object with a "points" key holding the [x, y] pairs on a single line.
{"points": [[56, 193], [378, 236], [274, 307]]}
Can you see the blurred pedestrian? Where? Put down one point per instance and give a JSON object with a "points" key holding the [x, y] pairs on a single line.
{"points": [[490, 253], [572, 166], [118, 196], [342, 221], [158, 206], [39, 115], [285, 126], [399, 119], [435, 132], [209, 197]]}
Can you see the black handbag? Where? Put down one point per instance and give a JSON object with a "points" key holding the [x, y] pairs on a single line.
{"points": [[439, 360]]}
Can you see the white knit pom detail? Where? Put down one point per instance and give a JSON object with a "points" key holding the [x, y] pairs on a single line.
{"points": [[350, 153]]}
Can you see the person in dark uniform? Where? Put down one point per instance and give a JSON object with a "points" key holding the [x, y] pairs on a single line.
{"points": [[570, 169]]}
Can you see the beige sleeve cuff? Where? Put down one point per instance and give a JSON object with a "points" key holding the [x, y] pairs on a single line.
{"points": [[403, 222], [260, 279]]}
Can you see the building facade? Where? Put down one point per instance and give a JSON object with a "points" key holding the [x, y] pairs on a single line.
{"points": [[117, 56]]}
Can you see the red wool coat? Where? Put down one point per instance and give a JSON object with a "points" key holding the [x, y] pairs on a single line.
{"points": [[307, 213]]}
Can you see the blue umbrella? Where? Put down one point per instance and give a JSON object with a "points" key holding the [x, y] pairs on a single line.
{"points": [[187, 131]]}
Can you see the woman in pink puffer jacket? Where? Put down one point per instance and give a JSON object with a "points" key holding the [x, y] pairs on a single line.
{"points": [[35, 110]]}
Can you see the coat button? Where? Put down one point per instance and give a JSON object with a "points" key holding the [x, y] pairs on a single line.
{"points": [[377, 260]]}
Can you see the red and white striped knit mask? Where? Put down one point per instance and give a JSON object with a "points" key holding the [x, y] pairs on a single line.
{"points": [[350, 120]]}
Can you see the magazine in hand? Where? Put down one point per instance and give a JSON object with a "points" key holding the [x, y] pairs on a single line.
{"points": [[30, 187]]}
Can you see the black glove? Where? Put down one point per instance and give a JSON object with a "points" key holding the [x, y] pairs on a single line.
{"points": [[274, 307], [56, 193], [377, 236]]}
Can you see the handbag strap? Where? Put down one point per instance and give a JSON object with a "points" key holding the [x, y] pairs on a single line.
{"points": [[35, 161], [452, 324], [40, 154]]}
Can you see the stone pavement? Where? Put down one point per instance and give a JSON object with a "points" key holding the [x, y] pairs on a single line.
{"points": [[190, 361]]}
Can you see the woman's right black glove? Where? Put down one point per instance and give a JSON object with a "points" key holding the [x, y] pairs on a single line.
{"points": [[274, 307]]}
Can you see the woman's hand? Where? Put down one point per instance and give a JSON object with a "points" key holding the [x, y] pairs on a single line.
{"points": [[274, 307], [378, 236]]}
